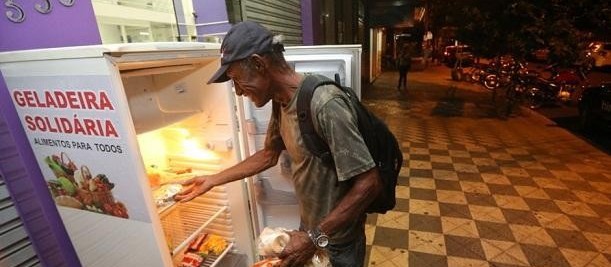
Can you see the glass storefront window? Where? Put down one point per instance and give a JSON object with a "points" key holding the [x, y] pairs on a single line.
{"points": [[133, 21]]}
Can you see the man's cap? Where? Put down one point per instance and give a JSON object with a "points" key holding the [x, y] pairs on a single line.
{"points": [[243, 40]]}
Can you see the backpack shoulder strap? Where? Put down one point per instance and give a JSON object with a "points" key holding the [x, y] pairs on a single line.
{"points": [[315, 144]]}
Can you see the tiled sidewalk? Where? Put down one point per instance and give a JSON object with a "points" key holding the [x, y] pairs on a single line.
{"points": [[480, 191]]}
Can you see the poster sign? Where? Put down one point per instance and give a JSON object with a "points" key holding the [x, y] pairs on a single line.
{"points": [[80, 141]]}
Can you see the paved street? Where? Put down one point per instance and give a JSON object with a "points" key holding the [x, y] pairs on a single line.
{"points": [[477, 189]]}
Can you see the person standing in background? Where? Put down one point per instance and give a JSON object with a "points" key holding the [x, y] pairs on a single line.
{"points": [[427, 52], [404, 63]]}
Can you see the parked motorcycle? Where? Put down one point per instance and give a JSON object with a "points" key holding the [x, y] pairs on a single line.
{"points": [[514, 91], [519, 89], [479, 72], [560, 87], [500, 71], [540, 91]]}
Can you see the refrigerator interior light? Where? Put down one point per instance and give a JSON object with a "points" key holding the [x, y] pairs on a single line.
{"points": [[153, 148], [193, 149], [182, 132]]}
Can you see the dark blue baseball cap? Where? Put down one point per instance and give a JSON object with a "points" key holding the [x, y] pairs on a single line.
{"points": [[242, 41]]}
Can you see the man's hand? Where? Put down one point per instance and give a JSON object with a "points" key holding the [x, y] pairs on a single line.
{"points": [[298, 251], [197, 186]]}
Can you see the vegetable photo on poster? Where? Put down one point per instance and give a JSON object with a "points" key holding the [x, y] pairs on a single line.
{"points": [[76, 187]]}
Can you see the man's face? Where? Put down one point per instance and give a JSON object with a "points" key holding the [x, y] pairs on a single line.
{"points": [[252, 84]]}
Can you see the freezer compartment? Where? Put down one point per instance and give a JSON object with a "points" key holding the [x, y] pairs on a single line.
{"points": [[161, 92], [341, 63], [334, 69]]}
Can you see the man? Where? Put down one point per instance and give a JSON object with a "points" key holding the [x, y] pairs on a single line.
{"points": [[332, 198], [404, 63]]}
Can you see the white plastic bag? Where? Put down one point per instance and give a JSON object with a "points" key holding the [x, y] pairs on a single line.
{"points": [[272, 241]]}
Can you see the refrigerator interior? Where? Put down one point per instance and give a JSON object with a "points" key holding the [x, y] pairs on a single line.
{"points": [[187, 128]]}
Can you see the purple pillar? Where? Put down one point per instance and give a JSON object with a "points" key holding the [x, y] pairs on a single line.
{"points": [[29, 191], [310, 16], [58, 25], [306, 22]]}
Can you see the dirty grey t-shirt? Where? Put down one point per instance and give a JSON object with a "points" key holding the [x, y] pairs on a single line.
{"points": [[318, 186]]}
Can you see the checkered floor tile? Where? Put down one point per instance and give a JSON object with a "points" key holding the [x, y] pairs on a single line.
{"points": [[478, 191]]}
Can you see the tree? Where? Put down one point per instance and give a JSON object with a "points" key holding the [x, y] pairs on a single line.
{"points": [[517, 28]]}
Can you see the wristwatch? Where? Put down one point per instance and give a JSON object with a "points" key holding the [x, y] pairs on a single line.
{"points": [[318, 237]]}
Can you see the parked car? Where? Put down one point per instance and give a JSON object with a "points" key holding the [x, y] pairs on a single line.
{"points": [[595, 107], [600, 53], [453, 53]]}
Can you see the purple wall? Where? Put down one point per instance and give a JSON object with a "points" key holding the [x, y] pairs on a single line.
{"points": [[29, 190], [307, 20], [62, 26], [213, 14]]}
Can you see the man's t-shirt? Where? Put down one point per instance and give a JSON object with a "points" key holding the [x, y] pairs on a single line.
{"points": [[319, 186]]}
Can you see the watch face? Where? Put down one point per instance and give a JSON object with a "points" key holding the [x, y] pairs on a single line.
{"points": [[322, 241]]}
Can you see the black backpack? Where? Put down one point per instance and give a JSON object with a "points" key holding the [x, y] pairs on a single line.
{"points": [[380, 141]]}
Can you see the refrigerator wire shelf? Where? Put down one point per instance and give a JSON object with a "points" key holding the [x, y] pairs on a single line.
{"points": [[210, 200], [186, 222], [212, 261]]}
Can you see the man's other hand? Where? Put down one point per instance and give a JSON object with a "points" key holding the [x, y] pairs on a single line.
{"points": [[298, 251]]}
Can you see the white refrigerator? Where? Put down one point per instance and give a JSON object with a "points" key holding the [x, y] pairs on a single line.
{"points": [[110, 124]]}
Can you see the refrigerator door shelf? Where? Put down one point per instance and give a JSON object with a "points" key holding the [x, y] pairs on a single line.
{"points": [[267, 195]]}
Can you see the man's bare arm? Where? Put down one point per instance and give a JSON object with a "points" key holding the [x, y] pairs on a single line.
{"points": [[258, 162], [366, 187]]}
